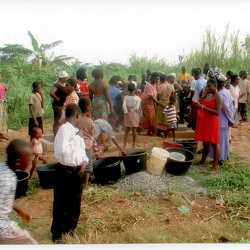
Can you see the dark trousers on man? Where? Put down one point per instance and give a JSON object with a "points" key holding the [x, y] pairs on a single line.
{"points": [[67, 200]]}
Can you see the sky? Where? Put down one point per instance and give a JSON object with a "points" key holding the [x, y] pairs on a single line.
{"points": [[110, 30]]}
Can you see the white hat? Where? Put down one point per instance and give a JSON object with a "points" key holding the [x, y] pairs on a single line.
{"points": [[63, 74]]}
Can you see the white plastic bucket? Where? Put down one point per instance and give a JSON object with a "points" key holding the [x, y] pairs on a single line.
{"points": [[177, 156], [157, 161]]}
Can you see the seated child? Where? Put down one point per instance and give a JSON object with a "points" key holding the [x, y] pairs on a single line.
{"points": [[86, 125], [170, 111], [19, 155], [37, 148]]}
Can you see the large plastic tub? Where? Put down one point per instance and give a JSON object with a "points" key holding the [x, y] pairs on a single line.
{"points": [[190, 145], [107, 170], [176, 167], [46, 174], [135, 162], [171, 144], [22, 183]]}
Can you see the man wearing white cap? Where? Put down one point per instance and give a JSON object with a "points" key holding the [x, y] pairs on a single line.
{"points": [[58, 93]]}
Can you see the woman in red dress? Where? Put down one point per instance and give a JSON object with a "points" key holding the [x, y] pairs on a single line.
{"points": [[207, 129]]}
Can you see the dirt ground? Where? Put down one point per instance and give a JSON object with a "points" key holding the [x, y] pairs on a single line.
{"points": [[204, 208]]}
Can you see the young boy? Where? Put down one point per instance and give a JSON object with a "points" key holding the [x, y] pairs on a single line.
{"points": [[19, 155], [69, 150], [170, 111], [36, 107], [86, 125]]}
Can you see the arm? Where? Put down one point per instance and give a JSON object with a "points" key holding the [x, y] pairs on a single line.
{"points": [[217, 109], [108, 99], [137, 105], [118, 146], [53, 95], [42, 102], [25, 216], [124, 106], [154, 100], [90, 94]]}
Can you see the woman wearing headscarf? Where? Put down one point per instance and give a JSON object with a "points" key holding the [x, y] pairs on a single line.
{"points": [[148, 103], [226, 116], [164, 91]]}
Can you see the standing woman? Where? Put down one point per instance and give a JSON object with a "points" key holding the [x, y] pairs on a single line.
{"points": [[207, 128], [3, 110], [164, 91], [58, 93], [148, 121], [226, 120], [99, 96]]}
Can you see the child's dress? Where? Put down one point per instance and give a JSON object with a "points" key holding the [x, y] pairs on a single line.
{"points": [[130, 106], [37, 146]]}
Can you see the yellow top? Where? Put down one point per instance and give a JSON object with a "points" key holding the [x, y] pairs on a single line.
{"points": [[183, 78]]}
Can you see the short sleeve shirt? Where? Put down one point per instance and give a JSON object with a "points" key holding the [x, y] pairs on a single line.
{"points": [[35, 100], [102, 126], [8, 182]]}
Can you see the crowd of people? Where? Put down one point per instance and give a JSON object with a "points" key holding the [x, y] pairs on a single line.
{"points": [[87, 114]]}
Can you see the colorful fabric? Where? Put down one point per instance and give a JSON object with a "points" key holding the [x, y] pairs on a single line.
{"points": [[148, 121], [207, 129], [2, 92], [99, 108], [3, 116], [165, 90], [84, 88], [37, 146], [161, 118], [96, 151], [72, 98], [150, 90]]}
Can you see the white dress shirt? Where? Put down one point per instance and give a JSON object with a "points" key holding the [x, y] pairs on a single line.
{"points": [[69, 147]]}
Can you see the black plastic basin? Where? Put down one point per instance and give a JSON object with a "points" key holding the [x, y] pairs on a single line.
{"points": [[135, 162], [46, 174], [22, 183], [107, 170], [190, 145], [176, 167]]}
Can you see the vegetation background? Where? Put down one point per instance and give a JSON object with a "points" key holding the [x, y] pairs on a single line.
{"points": [[20, 67]]}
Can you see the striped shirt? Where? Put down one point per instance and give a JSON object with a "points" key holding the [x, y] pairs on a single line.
{"points": [[170, 111]]}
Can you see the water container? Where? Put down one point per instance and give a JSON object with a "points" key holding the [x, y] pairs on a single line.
{"points": [[190, 145], [22, 183], [157, 161], [177, 156], [171, 144], [46, 174]]}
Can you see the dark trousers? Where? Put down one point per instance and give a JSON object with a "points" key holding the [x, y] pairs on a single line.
{"points": [[67, 200], [183, 107]]}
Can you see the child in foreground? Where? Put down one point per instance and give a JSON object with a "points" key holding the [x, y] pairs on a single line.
{"points": [[170, 111], [36, 107], [86, 125], [37, 149], [130, 106], [19, 155]]}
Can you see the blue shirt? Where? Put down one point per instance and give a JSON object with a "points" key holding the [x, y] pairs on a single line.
{"points": [[114, 93], [200, 84]]}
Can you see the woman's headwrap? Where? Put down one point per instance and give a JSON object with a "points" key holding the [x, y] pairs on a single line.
{"points": [[173, 75], [216, 73]]}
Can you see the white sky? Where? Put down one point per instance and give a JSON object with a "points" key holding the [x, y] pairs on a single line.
{"points": [[109, 30]]}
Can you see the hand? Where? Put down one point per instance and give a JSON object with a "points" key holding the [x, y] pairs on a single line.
{"points": [[199, 105], [36, 123], [40, 92], [123, 153], [26, 217], [84, 165]]}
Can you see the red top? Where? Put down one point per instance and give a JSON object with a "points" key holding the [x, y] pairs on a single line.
{"points": [[207, 129], [84, 88]]}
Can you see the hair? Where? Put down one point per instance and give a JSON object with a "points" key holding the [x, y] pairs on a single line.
{"points": [[113, 80], [15, 149], [229, 73], [72, 82], [35, 130], [81, 73], [131, 87], [197, 72], [172, 98], [213, 81], [35, 84], [84, 103], [131, 77], [183, 67], [154, 74], [233, 78], [162, 77], [71, 110], [112, 115], [97, 73]]}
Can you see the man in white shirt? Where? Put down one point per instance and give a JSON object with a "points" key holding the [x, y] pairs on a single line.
{"points": [[70, 152]]}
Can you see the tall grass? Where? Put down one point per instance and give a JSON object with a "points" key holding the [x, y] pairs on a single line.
{"points": [[226, 51]]}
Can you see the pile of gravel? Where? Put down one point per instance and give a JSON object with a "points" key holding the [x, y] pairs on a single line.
{"points": [[150, 184]]}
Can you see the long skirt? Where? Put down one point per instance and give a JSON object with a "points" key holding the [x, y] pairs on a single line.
{"points": [[3, 116], [148, 121], [161, 118], [100, 108], [224, 145]]}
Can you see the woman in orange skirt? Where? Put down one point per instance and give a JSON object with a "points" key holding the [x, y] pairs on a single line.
{"points": [[207, 129]]}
